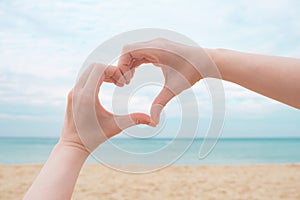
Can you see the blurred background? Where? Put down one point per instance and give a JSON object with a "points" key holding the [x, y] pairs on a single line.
{"points": [[44, 43]]}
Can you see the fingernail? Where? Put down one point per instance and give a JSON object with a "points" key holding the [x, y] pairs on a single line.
{"points": [[155, 112]]}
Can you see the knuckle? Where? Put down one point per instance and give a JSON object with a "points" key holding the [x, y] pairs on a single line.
{"points": [[97, 65], [159, 39], [127, 48], [125, 68], [137, 121], [93, 64]]}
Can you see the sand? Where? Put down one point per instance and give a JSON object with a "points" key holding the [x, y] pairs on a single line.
{"points": [[176, 182]]}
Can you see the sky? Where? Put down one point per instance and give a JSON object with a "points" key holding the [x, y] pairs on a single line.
{"points": [[44, 43]]}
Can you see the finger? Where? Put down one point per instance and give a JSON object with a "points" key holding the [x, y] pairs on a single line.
{"points": [[125, 62], [138, 62], [159, 103], [136, 54], [126, 58], [108, 73], [118, 78], [132, 73], [126, 121], [126, 72], [155, 114], [95, 79], [109, 80], [111, 77]]}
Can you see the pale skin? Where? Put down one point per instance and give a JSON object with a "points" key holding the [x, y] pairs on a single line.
{"points": [[59, 174], [272, 76]]}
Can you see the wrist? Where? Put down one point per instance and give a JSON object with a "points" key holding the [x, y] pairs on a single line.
{"points": [[77, 148], [205, 61], [217, 56]]}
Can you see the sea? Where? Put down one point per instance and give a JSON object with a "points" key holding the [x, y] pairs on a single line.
{"points": [[227, 151]]}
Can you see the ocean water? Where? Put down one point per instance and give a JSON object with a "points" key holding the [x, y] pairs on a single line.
{"points": [[234, 151]]}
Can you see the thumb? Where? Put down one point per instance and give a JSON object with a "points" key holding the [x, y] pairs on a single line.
{"points": [[126, 121], [159, 103]]}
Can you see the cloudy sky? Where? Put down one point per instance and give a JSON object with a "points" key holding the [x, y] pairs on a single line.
{"points": [[44, 43]]}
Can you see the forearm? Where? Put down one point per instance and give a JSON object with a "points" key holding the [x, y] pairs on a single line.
{"points": [[59, 174], [272, 76]]}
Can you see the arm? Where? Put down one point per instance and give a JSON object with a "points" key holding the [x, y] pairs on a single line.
{"points": [[59, 174], [87, 124], [183, 66], [272, 76]]}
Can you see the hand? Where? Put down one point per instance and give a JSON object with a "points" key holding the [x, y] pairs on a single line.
{"points": [[92, 121], [181, 65]]}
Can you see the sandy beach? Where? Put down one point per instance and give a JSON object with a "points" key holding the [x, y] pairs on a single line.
{"points": [[176, 182]]}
